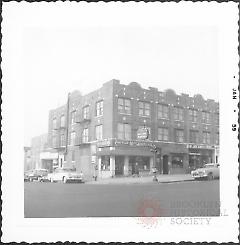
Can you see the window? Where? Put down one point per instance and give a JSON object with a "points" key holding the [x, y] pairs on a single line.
{"points": [[124, 131], [73, 117], [216, 117], [99, 108], [62, 140], [163, 111], [73, 156], [54, 141], [163, 134], [85, 135], [194, 136], [205, 117], [86, 112], [105, 163], [206, 137], [179, 135], [178, 113], [99, 132], [144, 109], [177, 161], [217, 139], [124, 106], [62, 121], [54, 123], [72, 138], [193, 115]]}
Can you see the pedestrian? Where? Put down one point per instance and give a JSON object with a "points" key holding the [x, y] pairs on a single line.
{"points": [[137, 169]]}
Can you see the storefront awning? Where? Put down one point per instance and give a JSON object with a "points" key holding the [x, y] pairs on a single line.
{"points": [[124, 152]]}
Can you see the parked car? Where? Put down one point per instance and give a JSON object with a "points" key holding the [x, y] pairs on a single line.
{"points": [[35, 174], [66, 175], [208, 171]]}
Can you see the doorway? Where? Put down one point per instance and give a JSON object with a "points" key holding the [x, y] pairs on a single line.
{"points": [[119, 163], [165, 164]]}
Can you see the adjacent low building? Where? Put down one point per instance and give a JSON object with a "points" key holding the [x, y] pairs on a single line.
{"points": [[98, 133]]}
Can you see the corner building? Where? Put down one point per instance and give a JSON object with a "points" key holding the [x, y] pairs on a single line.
{"points": [[101, 129]]}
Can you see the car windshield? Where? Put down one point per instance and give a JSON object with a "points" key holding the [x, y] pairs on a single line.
{"points": [[208, 165], [64, 170]]}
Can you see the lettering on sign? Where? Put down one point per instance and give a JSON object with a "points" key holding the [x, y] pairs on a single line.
{"points": [[190, 146], [143, 133]]}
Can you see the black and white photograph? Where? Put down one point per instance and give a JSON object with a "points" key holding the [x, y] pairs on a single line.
{"points": [[120, 116]]}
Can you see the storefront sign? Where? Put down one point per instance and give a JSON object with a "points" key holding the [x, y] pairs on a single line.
{"points": [[133, 143], [194, 146], [104, 143], [143, 134]]}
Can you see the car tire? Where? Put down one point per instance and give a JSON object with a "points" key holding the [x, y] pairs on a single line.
{"points": [[210, 176]]}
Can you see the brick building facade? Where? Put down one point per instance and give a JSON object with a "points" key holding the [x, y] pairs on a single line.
{"points": [[102, 131]]}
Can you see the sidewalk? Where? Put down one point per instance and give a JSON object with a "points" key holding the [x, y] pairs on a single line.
{"points": [[144, 179]]}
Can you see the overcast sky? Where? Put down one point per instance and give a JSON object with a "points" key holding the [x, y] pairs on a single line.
{"points": [[75, 55]]}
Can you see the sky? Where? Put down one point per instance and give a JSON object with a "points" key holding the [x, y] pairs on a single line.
{"points": [[82, 53]]}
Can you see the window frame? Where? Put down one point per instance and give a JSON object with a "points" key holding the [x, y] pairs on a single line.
{"points": [[85, 135], [206, 140], [122, 107], [86, 112], [164, 136], [196, 136], [143, 109], [165, 114], [177, 116], [97, 127], [177, 136], [99, 108], [126, 131], [72, 139], [193, 115]]}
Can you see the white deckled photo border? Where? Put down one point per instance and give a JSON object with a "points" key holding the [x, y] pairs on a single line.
{"points": [[19, 16]]}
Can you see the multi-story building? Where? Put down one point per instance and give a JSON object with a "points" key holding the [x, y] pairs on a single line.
{"points": [[27, 158], [38, 145], [102, 131]]}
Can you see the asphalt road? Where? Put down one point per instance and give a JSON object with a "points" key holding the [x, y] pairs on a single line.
{"points": [[56, 200]]}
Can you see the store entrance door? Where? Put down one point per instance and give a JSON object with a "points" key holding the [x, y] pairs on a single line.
{"points": [[165, 164], [119, 163]]}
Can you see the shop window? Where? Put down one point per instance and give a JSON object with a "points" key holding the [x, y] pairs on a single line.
{"points": [[163, 134], [99, 108], [85, 135], [178, 113], [179, 135], [62, 121], [193, 115], [105, 163], [124, 131], [177, 162], [86, 112], [163, 111], [206, 137], [144, 109], [124, 106], [194, 136], [73, 117], [72, 138], [205, 117], [99, 132], [54, 123]]}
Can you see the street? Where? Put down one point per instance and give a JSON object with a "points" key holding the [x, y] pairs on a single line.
{"points": [[57, 200]]}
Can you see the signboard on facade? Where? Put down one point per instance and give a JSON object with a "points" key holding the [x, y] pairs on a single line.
{"points": [[142, 133], [133, 143], [195, 146]]}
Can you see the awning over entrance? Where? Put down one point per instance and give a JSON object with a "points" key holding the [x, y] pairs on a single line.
{"points": [[125, 152]]}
